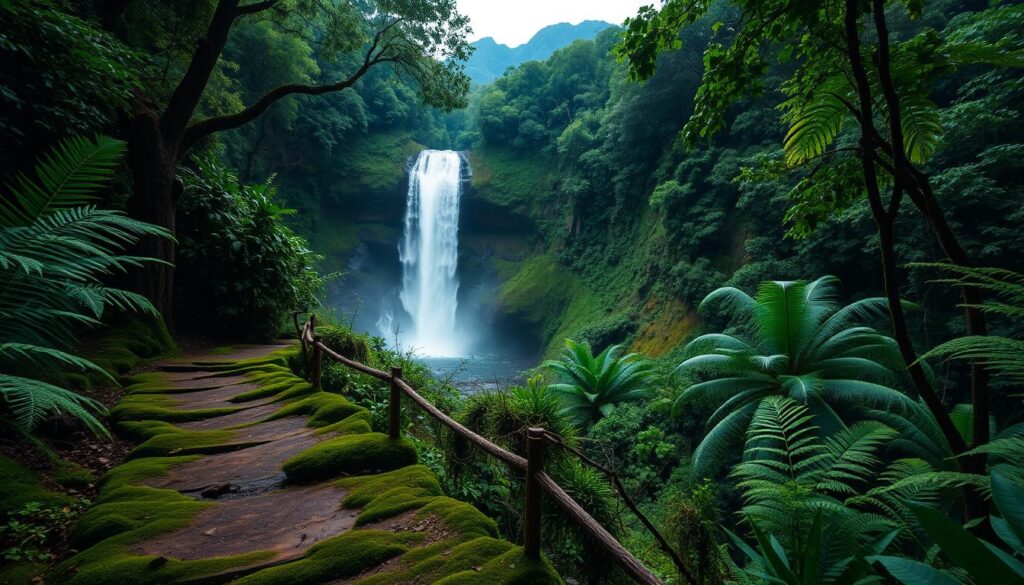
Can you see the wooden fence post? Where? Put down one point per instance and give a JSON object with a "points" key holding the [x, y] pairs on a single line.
{"points": [[317, 356], [395, 405], [531, 512]]}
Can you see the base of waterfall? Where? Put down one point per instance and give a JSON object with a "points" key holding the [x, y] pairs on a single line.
{"points": [[477, 373]]}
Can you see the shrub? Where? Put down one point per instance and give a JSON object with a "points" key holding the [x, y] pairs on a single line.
{"points": [[354, 346], [239, 266]]}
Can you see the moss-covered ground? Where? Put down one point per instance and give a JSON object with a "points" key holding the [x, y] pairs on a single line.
{"points": [[376, 477]]}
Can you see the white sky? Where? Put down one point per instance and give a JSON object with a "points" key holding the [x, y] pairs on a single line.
{"points": [[513, 22]]}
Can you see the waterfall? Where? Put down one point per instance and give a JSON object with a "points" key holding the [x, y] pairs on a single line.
{"points": [[429, 252]]}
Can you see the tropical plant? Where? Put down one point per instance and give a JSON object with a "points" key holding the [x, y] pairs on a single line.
{"points": [[816, 559], [241, 267], [794, 340], [789, 468], [971, 560], [1002, 355], [56, 247], [591, 386], [798, 486]]}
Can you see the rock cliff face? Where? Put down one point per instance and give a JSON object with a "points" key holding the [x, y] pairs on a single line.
{"points": [[358, 229]]}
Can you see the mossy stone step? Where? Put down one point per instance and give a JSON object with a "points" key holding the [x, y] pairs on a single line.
{"points": [[239, 477]]}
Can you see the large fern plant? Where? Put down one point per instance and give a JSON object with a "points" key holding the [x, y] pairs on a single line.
{"points": [[793, 339], [56, 249], [796, 484]]}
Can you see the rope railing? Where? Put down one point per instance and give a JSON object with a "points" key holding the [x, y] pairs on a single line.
{"points": [[538, 482]]}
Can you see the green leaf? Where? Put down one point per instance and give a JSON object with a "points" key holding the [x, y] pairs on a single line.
{"points": [[962, 548], [1009, 498], [911, 572]]}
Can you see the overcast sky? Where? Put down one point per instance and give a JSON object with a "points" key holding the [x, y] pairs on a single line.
{"points": [[513, 22]]}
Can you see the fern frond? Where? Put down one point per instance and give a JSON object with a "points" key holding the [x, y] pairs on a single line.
{"points": [[32, 401], [1002, 355], [67, 176]]}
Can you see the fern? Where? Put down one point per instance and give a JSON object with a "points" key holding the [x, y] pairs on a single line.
{"points": [[56, 249], [1002, 355], [68, 176]]}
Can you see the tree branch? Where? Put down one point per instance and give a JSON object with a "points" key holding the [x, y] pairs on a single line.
{"points": [[200, 130], [254, 8]]}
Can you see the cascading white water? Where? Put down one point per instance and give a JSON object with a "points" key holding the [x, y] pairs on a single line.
{"points": [[429, 252]]}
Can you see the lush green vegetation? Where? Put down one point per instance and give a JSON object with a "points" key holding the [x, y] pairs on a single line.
{"points": [[685, 179]]}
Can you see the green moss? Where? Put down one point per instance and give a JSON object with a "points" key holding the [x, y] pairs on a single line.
{"points": [[138, 470], [130, 508], [128, 341], [461, 517], [355, 424], [511, 179], [389, 494], [483, 560], [20, 485], [186, 442], [72, 475], [349, 454], [509, 568], [342, 556], [23, 573], [118, 567], [539, 294], [158, 407], [323, 408]]}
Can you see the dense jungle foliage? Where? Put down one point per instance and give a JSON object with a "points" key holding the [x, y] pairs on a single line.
{"points": [[774, 257]]}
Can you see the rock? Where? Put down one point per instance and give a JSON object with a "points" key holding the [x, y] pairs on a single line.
{"points": [[217, 490]]}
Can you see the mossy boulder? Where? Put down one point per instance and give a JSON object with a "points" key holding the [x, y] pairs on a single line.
{"points": [[355, 424], [389, 494], [350, 454]]}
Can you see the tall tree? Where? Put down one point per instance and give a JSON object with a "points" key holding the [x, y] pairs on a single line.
{"points": [[881, 84], [422, 39]]}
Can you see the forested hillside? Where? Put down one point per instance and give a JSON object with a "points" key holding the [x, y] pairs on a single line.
{"points": [[760, 262], [490, 59]]}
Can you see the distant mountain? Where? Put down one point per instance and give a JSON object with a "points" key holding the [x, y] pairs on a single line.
{"points": [[491, 59]]}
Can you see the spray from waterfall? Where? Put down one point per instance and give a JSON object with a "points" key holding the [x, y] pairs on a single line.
{"points": [[429, 252]]}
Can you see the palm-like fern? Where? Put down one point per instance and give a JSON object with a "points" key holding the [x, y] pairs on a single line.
{"points": [[591, 386], [55, 249], [794, 341]]}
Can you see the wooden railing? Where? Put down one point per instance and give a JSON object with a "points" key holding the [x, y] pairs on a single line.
{"points": [[538, 482]]}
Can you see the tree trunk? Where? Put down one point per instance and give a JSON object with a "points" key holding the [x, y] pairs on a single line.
{"points": [[916, 184], [154, 149], [925, 200], [153, 200]]}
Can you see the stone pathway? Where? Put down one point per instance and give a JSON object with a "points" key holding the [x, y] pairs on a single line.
{"points": [[219, 490]]}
